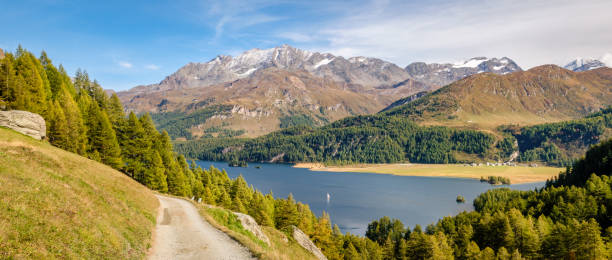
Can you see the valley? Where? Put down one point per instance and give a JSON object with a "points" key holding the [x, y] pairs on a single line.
{"points": [[356, 199], [306, 130]]}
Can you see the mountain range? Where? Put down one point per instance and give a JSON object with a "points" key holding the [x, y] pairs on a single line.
{"points": [[264, 90], [546, 93], [437, 74], [584, 64], [261, 91]]}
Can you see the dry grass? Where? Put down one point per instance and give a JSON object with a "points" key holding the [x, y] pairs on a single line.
{"points": [[280, 246], [56, 204], [516, 174]]}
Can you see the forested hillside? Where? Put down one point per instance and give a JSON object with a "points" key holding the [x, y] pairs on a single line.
{"points": [[82, 119], [568, 219], [560, 143], [388, 139], [360, 139]]}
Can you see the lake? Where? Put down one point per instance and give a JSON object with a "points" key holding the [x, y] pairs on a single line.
{"points": [[356, 199]]}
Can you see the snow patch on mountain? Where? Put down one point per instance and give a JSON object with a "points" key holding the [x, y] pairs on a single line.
{"points": [[584, 64], [441, 74], [472, 63], [323, 62], [246, 73], [367, 72]]}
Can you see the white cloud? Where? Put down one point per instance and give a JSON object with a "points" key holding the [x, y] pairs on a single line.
{"points": [[125, 64], [152, 67], [296, 37], [607, 59], [234, 15], [530, 32]]}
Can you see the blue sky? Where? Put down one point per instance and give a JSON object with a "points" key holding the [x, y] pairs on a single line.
{"points": [[127, 43]]}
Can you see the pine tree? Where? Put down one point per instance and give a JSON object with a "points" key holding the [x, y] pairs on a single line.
{"points": [[57, 130], [134, 147], [209, 198], [502, 254], [54, 78], [115, 110], [441, 249], [589, 244], [102, 138], [472, 251], [77, 139], [237, 205], [224, 199], [487, 254], [516, 255], [8, 87], [322, 237], [186, 178], [35, 95], [388, 249], [287, 214], [350, 253], [155, 177]]}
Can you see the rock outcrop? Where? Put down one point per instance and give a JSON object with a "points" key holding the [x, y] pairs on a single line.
{"points": [[25, 122], [307, 244], [437, 74], [250, 224]]}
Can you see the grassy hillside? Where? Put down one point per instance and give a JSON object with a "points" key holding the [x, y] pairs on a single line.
{"points": [[540, 95], [56, 204]]}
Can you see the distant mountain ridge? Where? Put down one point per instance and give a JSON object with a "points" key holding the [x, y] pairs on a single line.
{"points": [[263, 102], [546, 93], [584, 64], [276, 86], [437, 74], [368, 72], [260, 91]]}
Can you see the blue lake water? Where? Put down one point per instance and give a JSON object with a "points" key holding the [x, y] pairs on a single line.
{"points": [[356, 199]]}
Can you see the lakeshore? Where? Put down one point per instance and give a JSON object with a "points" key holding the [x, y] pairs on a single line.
{"points": [[516, 174]]}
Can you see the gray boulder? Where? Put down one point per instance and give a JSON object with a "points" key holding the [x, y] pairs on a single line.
{"points": [[250, 224], [25, 122], [307, 244]]}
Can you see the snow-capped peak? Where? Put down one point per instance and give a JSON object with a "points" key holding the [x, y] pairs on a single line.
{"points": [[359, 59], [445, 73], [584, 64], [471, 63]]}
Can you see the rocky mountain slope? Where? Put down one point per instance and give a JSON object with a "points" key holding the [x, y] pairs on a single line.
{"points": [[436, 74], [264, 90], [546, 93], [261, 91], [368, 72], [584, 64], [267, 100]]}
